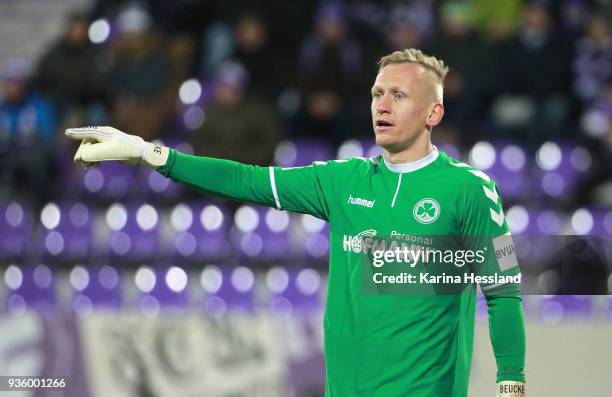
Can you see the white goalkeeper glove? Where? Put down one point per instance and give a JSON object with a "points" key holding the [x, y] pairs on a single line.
{"points": [[108, 143], [510, 388]]}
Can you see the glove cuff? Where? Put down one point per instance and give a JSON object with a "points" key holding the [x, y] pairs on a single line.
{"points": [[510, 388], [155, 156]]}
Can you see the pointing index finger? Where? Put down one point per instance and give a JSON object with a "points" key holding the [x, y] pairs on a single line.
{"points": [[86, 132]]}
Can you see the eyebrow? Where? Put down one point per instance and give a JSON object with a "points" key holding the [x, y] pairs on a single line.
{"points": [[392, 89]]}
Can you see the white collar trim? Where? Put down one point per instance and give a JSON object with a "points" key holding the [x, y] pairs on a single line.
{"points": [[412, 165]]}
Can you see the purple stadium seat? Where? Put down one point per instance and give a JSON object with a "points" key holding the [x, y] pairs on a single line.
{"points": [[156, 187], [314, 237], [510, 170], [110, 180], [302, 152], [32, 287], [292, 290], [171, 287], [602, 221], [133, 232], [67, 231], [560, 166], [199, 232], [227, 288], [262, 232], [16, 230], [95, 287]]}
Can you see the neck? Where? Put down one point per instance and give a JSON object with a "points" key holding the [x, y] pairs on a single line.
{"points": [[415, 151]]}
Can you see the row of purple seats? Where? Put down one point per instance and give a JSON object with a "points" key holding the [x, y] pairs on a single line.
{"points": [[217, 290], [68, 232], [222, 288], [189, 231]]}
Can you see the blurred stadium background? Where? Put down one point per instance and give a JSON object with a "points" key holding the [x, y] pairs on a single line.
{"points": [[131, 285]]}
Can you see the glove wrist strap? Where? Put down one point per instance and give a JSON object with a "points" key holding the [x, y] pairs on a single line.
{"points": [[509, 388], [154, 155]]}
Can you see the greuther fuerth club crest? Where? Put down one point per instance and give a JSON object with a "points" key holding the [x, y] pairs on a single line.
{"points": [[426, 211]]}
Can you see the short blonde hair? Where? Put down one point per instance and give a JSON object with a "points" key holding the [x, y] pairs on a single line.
{"points": [[413, 55], [436, 67]]}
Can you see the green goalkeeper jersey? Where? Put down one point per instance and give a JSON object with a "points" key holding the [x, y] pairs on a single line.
{"points": [[390, 345]]}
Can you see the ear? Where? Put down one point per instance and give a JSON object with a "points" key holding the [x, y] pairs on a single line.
{"points": [[435, 115]]}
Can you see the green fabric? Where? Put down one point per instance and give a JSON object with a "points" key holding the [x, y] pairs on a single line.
{"points": [[507, 336], [388, 345]]}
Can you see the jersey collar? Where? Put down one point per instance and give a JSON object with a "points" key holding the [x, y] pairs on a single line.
{"points": [[412, 165]]}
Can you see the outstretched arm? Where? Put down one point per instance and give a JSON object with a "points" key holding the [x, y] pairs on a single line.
{"points": [[300, 189]]}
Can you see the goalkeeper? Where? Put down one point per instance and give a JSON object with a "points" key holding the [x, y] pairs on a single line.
{"points": [[377, 346]]}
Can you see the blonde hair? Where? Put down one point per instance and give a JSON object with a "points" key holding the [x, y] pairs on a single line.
{"points": [[412, 55], [436, 67]]}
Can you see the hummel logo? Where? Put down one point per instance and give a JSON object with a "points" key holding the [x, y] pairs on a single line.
{"points": [[360, 201]]}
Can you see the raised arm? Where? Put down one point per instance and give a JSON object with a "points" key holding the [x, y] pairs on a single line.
{"points": [[300, 189]]}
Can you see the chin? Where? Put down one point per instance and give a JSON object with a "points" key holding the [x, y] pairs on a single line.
{"points": [[385, 141]]}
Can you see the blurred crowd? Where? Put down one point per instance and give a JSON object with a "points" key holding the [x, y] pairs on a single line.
{"points": [[235, 78]]}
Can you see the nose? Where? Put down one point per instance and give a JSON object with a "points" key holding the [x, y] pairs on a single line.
{"points": [[383, 105]]}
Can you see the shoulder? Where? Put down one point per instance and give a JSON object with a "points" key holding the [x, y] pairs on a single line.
{"points": [[474, 186], [468, 176], [349, 164]]}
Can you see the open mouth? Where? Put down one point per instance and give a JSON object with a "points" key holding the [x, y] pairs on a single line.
{"points": [[383, 124]]}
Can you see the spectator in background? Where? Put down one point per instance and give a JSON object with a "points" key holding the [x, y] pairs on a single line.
{"points": [[69, 74], [237, 127], [330, 75], [474, 69], [140, 75], [27, 132], [593, 59], [536, 74], [597, 124], [253, 51], [496, 20]]}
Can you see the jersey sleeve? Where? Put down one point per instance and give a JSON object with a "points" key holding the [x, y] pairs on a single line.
{"points": [[300, 189], [484, 227], [304, 189]]}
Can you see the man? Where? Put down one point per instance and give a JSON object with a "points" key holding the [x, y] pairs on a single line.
{"points": [[235, 116], [27, 135], [378, 346]]}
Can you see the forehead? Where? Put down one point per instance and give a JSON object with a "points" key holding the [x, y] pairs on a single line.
{"points": [[399, 74]]}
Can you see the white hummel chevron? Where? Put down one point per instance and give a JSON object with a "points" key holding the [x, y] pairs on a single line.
{"points": [[491, 194], [498, 217], [481, 175]]}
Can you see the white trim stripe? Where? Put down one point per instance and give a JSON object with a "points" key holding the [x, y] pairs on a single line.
{"points": [[399, 182], [274, 192]]}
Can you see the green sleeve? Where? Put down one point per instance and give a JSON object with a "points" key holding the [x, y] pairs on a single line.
{"points": [[507, 332], [299, 189], [221, 178], [484, 226]]}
